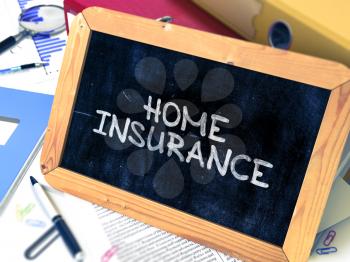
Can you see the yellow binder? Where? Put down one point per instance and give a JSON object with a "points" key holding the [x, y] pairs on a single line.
{"points": [[315, 27]]}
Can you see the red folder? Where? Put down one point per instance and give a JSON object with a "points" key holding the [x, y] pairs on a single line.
{"points": [[183, 12]]}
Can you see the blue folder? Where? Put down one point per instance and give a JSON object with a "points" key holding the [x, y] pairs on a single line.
{"points": [[32, 111]]}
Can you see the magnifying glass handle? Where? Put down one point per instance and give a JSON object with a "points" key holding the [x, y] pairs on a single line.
{"points": [[12, 40]]}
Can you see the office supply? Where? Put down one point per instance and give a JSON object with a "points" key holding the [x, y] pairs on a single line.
{"points": [[20, 68], [57, 220], [44, 48], [37, 20], [238, 15], [41, 244], [31, 111], [311, 27], [181, 180], [333, 243]]}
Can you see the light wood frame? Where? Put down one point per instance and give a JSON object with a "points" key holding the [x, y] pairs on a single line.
{"points": [[320, 172]]}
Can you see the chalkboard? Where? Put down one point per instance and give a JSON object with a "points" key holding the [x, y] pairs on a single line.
{"points": [[272, 119], [223, 143]]}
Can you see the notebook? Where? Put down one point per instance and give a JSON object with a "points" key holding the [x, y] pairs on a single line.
{"points": [[23, 120]]}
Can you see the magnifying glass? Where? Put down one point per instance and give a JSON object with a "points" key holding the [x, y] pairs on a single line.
{"points": [[40, 19]]}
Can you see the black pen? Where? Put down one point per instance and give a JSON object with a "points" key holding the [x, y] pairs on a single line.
{"points": [[21, 67], [58, 221]]}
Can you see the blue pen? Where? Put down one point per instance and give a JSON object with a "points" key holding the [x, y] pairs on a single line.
{"points": [[58, 221], [21, 67]]}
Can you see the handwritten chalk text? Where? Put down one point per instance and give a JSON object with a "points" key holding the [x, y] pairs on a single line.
{"points": [[172, 143]]}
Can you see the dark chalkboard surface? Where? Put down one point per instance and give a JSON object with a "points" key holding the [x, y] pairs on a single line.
{"points": [[273, 125]]}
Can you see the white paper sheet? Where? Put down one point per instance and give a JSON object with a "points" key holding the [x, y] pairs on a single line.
{"points": [[132, 240]]}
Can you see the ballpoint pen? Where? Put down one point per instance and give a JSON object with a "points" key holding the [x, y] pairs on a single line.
{"points": [[21, 67], [56, 218]]}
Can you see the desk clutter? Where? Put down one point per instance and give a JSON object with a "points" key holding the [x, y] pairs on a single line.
{"points": [[220, 142], [291, 25]]}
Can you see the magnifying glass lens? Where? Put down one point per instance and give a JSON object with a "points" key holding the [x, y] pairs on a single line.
{"points": [[43, 19]]}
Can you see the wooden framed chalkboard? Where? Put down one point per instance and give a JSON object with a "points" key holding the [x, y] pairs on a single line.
{"points": [[230, 144]]}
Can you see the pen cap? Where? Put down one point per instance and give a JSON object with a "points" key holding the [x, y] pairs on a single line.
{"points": [[67, 237]]}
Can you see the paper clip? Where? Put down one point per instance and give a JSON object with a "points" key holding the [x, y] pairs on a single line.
{"points": [[108, 254], [22, 212], [329, 238], [41, 244], [35, 223], [326, 250]]}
